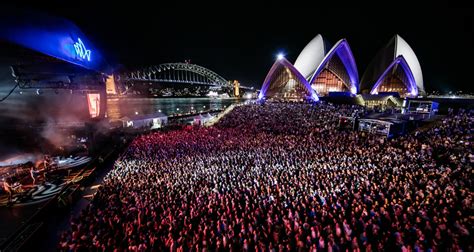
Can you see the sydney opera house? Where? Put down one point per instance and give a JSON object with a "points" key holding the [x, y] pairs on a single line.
{"points": [[321, 70]]}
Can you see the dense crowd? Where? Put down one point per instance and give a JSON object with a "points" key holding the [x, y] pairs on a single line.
{"points": [[285, 177]]}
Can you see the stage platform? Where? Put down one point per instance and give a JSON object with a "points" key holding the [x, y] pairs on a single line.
{"points": [[18, 215]]}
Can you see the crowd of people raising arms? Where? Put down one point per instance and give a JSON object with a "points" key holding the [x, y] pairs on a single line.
{"points": [[284, 177]]}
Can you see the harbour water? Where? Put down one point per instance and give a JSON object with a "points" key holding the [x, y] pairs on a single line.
{"points": [[118, 108]]}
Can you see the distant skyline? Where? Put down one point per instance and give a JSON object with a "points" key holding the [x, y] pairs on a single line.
{"points": [[243, 43]]}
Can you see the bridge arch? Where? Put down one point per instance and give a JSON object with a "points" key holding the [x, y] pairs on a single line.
{"points": [[178, 73]]}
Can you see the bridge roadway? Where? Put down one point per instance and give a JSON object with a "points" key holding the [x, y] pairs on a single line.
{"points": [[184, 73]]}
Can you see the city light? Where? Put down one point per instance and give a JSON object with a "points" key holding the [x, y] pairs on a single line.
{"points": [[136, 112]]}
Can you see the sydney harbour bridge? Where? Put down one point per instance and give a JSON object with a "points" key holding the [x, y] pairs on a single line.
{"points": [[178, 79], [168, 79]]}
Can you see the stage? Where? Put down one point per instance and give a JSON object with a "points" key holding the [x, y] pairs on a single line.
{"points": [[34, 200]]}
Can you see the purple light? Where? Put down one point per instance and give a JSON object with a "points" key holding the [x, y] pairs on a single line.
{"points": [[400, 60], [286, 63], [344, 52]]}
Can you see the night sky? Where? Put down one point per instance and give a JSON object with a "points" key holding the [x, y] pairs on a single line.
{"points": [[241, 43]]}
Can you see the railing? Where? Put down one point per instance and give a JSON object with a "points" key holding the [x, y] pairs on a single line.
{"points": [[220, 115]]}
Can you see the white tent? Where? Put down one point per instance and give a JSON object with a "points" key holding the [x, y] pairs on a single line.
{"points": [[151, 121]]}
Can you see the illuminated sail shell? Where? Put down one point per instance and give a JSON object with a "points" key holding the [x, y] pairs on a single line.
{"points": [[284, 81], [395, 68], [311, 56], [337, 72]]}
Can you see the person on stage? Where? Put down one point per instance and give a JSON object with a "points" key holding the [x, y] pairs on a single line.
{"points": [[33, 174], [7, 188]]}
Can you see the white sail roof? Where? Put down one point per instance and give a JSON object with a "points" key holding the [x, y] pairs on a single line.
{"points": [[311, 56]]}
